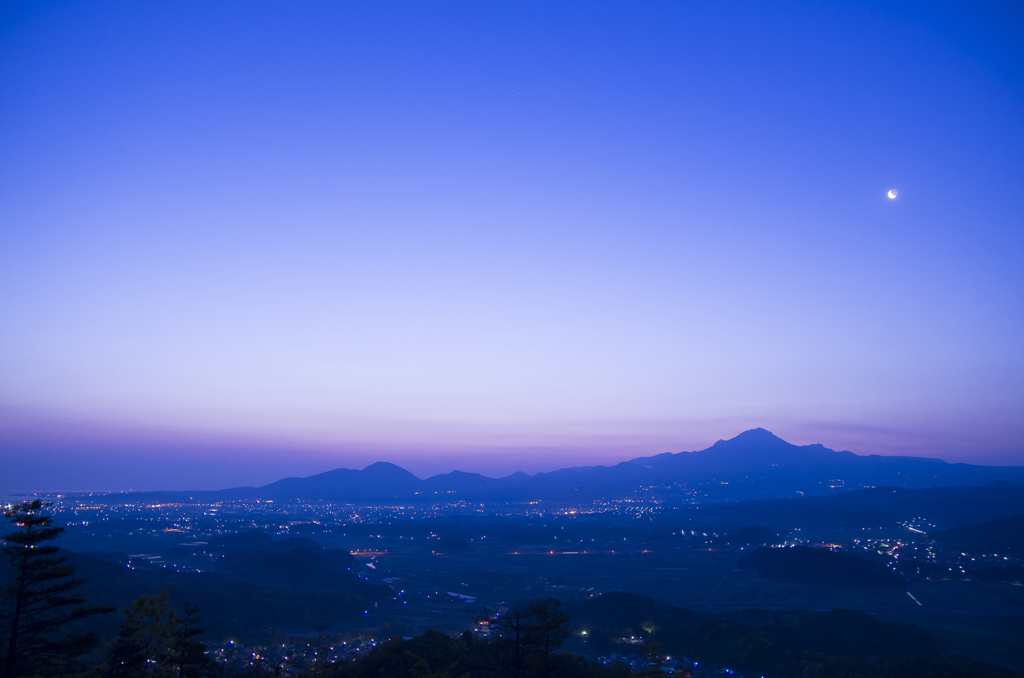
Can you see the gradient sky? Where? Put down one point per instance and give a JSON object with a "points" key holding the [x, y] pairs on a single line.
{"points": [[241, 240]]}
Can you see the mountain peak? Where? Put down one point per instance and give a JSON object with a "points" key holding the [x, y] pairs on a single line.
{"points": [[758, 447], [384, 469], [757, 435]]}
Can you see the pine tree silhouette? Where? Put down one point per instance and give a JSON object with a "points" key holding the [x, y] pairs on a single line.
{"points": [[43, 601]]}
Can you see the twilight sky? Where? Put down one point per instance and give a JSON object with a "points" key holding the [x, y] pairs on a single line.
{"points": [[244, 240]]}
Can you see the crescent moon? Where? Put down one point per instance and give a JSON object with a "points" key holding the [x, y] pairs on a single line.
{"points": [[892, 194]]}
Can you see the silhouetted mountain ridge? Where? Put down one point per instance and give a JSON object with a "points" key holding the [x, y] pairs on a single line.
{"points": [[754, 465]]}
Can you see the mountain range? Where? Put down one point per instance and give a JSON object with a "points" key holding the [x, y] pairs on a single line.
{"points": [[754, 465]]}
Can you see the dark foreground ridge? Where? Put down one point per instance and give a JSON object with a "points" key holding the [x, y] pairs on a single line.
{"points": [[639, 636], [754, 465]]}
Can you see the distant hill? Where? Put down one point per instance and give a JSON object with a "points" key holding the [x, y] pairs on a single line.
{"points": [[378, 480], [1002, 535], [822, 567], [753, 465], [945, 507]]}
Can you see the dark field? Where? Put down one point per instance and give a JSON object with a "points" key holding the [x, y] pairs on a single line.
{"points": [[685, 577]]}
